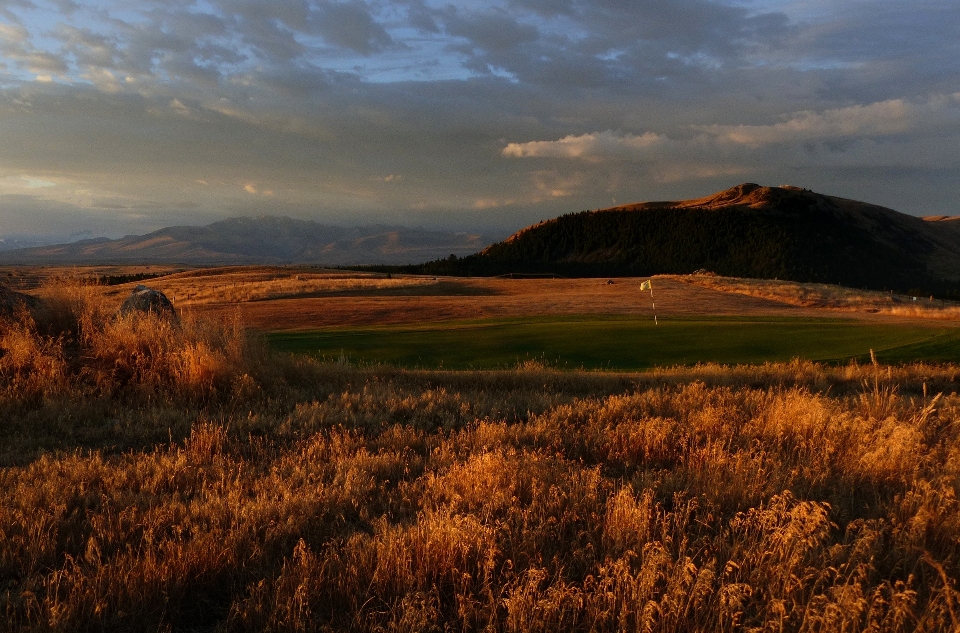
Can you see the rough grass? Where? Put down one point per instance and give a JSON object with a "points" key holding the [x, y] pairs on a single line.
{"points": [[283, 494], [830, 297], [245, 284]]}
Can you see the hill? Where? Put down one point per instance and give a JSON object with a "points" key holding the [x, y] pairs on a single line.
{"points": [[746, 231], [263, 240]]}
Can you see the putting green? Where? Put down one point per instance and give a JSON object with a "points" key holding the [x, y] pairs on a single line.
{"points": [[592, 342]]}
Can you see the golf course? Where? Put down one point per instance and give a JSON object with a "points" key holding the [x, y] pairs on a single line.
{"points": [[424, 322], [620, 343]]}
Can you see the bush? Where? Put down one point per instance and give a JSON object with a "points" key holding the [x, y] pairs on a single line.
{"points": [[76, 344]]}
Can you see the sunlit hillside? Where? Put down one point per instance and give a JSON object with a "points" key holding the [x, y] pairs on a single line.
{"points": [[749, 230]]}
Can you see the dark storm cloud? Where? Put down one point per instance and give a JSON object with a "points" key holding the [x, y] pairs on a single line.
{"points": [[480, 114], [351, 26], [620, 46], [492, 32]]}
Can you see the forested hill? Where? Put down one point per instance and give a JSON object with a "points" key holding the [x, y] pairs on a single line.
{"points": [[746, 231]]}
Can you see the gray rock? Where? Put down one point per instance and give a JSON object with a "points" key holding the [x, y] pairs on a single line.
{"points": [[147, 300]]}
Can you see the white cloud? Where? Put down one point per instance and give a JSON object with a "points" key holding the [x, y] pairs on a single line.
{"points": [[894, 116], [938, 114], [594, 146], [24, 183]]}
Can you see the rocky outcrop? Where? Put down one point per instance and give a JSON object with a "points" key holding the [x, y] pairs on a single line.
{"points": [[148, 301]]}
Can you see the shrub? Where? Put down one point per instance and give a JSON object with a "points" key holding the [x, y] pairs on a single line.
{"points": [[76, 344]]}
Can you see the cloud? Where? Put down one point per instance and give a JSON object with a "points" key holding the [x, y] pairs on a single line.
{"points": [[494, 31], [321, 101], [592, 146], [901, 138], [15, 45], [884, 118], [350, 25], [894, 116], [936, 114]]}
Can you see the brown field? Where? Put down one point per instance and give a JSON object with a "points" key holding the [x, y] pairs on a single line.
{"points": [[180, 477], [833, 298], [30, 278], [290, 298]]}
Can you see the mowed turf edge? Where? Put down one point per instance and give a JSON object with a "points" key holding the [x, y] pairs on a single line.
{"points": [[624, 343]]}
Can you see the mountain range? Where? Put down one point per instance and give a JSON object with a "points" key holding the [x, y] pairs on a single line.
{"points": [[746, 231], [263, 240]]}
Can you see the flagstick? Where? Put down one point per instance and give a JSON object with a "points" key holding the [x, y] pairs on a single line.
{"points": [[648, 285], [654, 304]]}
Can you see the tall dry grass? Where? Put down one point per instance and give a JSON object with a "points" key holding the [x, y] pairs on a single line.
{"points": [[791, 497], [77, 342], [74, 373]]}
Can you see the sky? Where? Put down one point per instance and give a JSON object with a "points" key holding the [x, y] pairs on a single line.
{"points": [[124, 117]]}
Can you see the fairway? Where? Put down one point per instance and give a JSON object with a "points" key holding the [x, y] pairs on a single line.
{"points": [[622, 343]]}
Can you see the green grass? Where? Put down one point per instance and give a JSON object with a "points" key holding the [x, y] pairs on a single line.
{"points": [[942, 348], [593, 342]]}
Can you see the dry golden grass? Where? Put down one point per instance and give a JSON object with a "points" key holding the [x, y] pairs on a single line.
{"points": [[829, 297], [31, 277], [245, 284], [78, 343], [176, 477], [357, 299], [290, 298]]}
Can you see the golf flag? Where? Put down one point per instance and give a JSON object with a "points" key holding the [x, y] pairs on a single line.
{"points": [[646, 285]]}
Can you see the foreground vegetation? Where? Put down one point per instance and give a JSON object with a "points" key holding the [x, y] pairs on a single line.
{"points": [[165, 476]]}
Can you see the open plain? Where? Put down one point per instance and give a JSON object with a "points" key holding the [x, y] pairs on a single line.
{"points": [[464, 323], [496, 323], [183, 476], [288, 299]]}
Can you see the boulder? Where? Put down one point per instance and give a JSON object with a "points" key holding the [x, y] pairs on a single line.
{"points": [[147, 300]]}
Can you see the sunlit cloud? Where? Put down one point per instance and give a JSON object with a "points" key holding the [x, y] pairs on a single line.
{"points": [[876, 119], [24, 184], [587, 146]]}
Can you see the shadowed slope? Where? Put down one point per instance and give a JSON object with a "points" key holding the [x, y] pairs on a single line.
{"points": [[745, 231]]}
